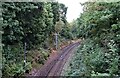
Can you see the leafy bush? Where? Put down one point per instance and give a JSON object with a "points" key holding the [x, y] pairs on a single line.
{"points": [[16, 69], [99, 26], [91, 59]]}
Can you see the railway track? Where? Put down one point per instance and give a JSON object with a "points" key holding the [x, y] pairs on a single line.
{"points": [[54, 67]]}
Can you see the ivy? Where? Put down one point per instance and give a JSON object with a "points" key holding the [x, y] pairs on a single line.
{"points": [[27, 22]]}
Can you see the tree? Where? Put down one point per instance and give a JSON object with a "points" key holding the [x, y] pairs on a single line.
{"points": [[32, 23], [99, 25]]}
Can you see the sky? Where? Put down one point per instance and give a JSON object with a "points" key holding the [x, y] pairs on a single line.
{"points": [[74, 8]]}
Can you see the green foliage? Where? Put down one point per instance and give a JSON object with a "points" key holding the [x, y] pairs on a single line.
{"points": [[99, 26], [15, 69], [30, 22], [93, 60], [66, 32], [58, 26], [1, 23]]}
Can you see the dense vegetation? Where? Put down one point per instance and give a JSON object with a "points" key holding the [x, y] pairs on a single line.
{"points": [[99, 52], [1, 40], [29, 27]]}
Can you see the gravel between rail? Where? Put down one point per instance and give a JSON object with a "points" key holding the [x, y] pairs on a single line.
{"points": [[55, 64]]}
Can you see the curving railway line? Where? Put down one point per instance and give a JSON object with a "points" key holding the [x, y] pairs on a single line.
{"points": [[54, 66]]}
